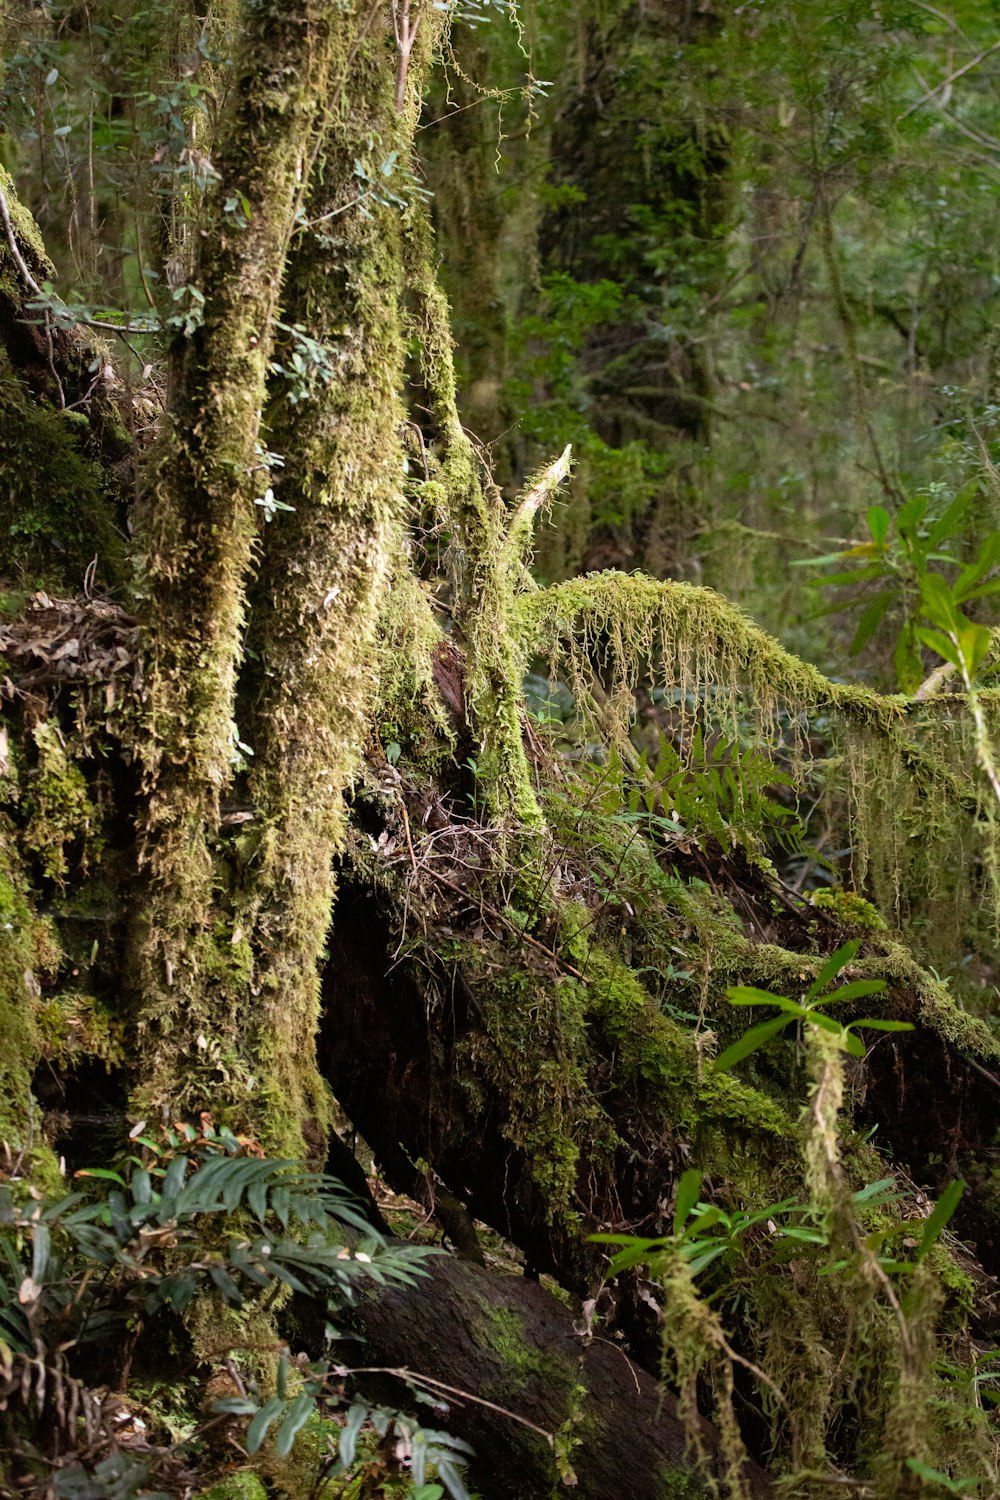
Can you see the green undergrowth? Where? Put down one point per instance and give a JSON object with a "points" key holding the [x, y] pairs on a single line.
{"points": [[57, 509]]}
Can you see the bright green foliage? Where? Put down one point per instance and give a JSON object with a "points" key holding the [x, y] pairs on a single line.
{"points": [[811, 1009], [898, 565]]}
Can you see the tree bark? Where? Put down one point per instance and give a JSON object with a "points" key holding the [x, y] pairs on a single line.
{"points": [[508, 1341]]}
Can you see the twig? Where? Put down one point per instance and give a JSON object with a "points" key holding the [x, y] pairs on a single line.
{"points": [[945, 84], [33, 286], [990, 1077], [524, 936], [406, 34], [402, 1373], [545, 485], [406, 830]]}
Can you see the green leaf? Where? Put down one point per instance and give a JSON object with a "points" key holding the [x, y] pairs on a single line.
{"points": [[816, 562], [909, 667], [874, 1023], [173, 1181], [853, 991], [911, 515], [299, 1413], [939, 603], [42, 1241], [257, 1431], [226, 1285], [348, 1444], [947, 523], [452, 1480], [838, 960], [745, 994], [939, 1217], [861, 574], [873, 1190], [878, 523], [700, 1256], [141, 1185], [974, 642], [750, 1041], [871, 619], [686, 1197], [939, 643], [987, 559]]}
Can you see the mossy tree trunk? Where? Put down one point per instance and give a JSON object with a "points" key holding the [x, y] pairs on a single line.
{"points": [[198, 523], [325, 561]]}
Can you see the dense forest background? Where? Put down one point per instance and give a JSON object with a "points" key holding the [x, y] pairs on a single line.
{"points": [[499, 871]]}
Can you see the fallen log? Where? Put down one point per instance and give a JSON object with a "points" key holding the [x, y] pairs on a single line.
{"points": [[607, 1428]]}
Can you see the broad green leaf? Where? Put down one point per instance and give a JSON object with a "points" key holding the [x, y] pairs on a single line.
{"points": [[854, 990], [878, 523], [974, 642], [348, 1444], [298, 1415], [825, 1023], [750, 1041], [874, 1190], [939, 643], [938, 602], [860, 574], [911, 515], [874, 1023], [939, 1217], [40, 1251], [987, 559], [947, 523], [816, 562], [687, 1196], [257, 1431], [226, 1285], [909, 667], [142, 1186], [704, 1256], [838, 960], [452, 1480], [173, 1180]]}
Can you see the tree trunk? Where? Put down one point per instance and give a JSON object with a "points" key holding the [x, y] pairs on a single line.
{"points": [[613, 1431]]}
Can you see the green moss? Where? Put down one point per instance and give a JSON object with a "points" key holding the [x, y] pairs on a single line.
{"points": [[56, 506], [676, 1484], [61, 815], [243, 1485], [653, 1049], [74, 1025], [849, 909], [28, 950]]}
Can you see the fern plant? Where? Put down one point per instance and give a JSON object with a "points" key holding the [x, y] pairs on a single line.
{"points": [[195, 1215], [141, 1241], [716, 788]]}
